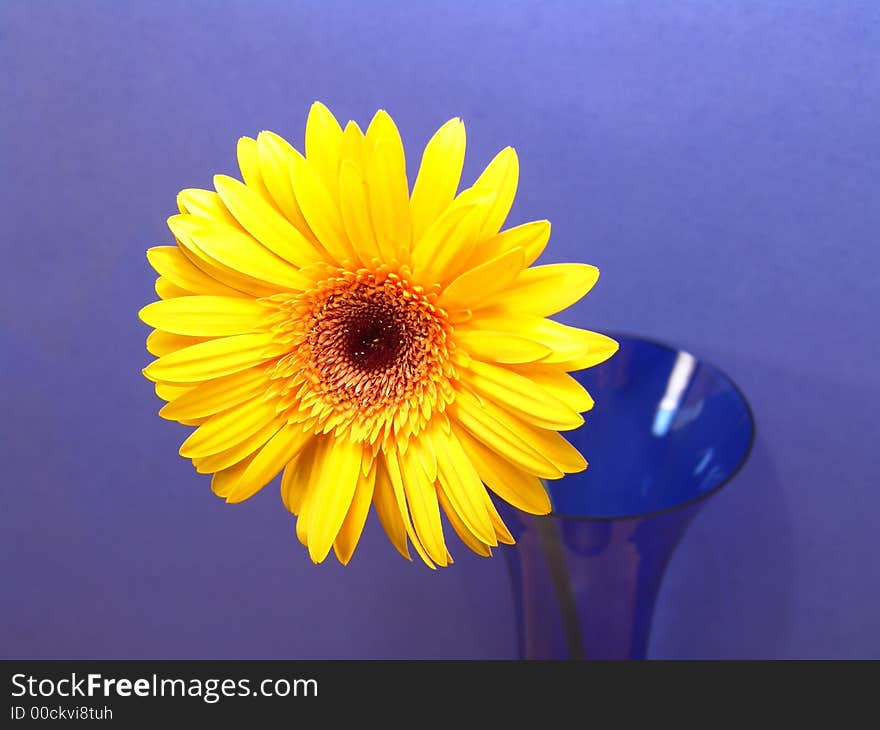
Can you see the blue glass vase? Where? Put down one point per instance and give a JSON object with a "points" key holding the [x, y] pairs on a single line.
{"points": [[668, 430]]}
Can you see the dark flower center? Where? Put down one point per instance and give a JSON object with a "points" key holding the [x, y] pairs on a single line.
{"points": [[373, 348], [374, 337]]}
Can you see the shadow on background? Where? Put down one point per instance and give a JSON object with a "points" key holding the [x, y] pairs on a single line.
{"points": [[728, 590]]}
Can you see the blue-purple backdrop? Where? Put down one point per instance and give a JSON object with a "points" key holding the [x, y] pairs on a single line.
{"points": [[719, 161]]}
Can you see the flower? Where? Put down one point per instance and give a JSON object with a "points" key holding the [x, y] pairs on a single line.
{"points": [[378, 348]]}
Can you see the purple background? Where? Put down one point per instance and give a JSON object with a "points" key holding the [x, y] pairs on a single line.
{"points": [[719, 161]]}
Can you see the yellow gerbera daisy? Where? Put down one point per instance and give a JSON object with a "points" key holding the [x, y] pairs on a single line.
{"points": [[377, 347]]}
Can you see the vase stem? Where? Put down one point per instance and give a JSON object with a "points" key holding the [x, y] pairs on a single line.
{"points": [[587, 588], [551, 545]]}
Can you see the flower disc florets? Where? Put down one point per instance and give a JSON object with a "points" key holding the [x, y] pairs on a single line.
{"points": [[370, 354]]}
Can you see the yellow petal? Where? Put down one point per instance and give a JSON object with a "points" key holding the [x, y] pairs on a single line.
{"points": [[166, 290], [163, 343], [473, 286], [500, 177], [573, 348], [205, 315], [395, 474], [355, 206], [462, 485], [546, 442], [442, 250], [334, 480], [295, 480], [249, 164], [502, 534], [516, 487], [594, 348], [276, 166], [520, 395], [224, 480], [353, 525], [302, 520], [238, 452], [556, 448], [217, 395], [480, 420], [500, 347], [439, 175], [171, 263], [308, 470], [205, 204], [171, 392], [235, 280], [546, 290], [426, 455], [214, 358], [554, 380], [387, 510], [421, 496], [323, 143], [354, 147], [269, 461], [595, 355], [265, 223], [467, 537], [388, 187], [530, 237], [229, 428], [238, 251], [320, 210]]}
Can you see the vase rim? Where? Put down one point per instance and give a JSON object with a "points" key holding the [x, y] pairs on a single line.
{"points": [[621, 335]]}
